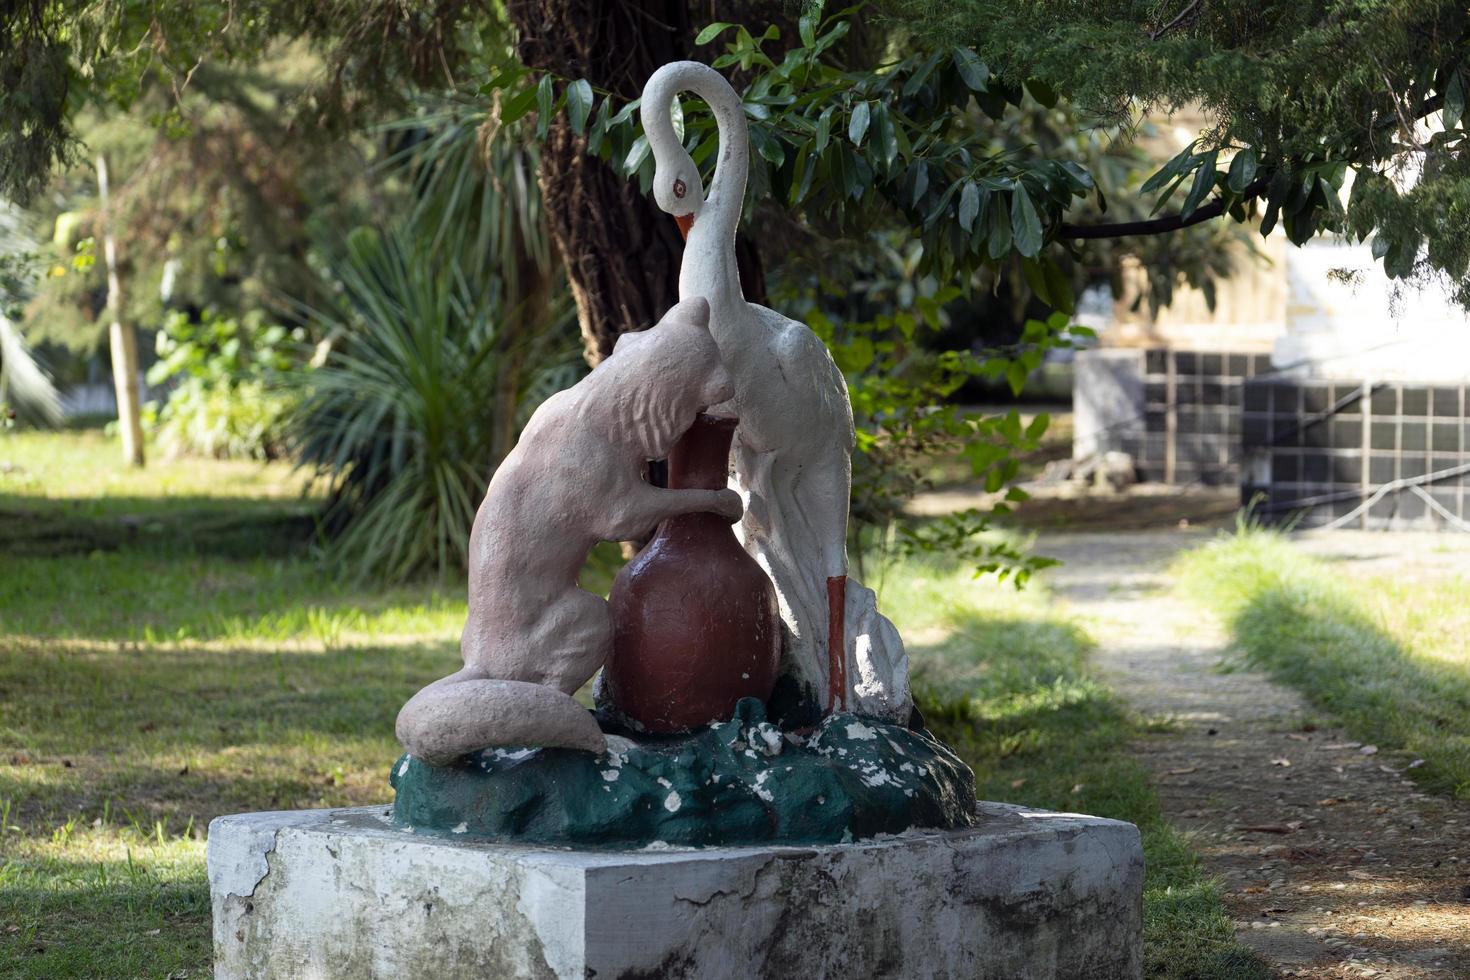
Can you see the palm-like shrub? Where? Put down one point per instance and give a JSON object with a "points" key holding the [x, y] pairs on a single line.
{"points": [[401, 417], [448, 328]]}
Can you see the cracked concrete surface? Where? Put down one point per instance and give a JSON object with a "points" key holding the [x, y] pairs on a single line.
{"points": [[1026, 894]]}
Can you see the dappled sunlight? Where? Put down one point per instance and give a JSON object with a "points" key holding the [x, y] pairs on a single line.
{"points": [[88, 466], [158, 600], [1396, 671]]}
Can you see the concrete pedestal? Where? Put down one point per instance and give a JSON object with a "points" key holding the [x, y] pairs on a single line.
{"points": [[345, 894]]}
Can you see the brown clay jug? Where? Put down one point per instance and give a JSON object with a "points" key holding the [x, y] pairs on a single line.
{"points": [[695, 622]]}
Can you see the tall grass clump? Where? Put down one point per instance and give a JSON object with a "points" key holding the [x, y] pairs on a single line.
{"points": [[449, 327]]}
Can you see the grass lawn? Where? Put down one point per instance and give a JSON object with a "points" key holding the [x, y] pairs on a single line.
{"points": [[171, 650], [1389, 657]]}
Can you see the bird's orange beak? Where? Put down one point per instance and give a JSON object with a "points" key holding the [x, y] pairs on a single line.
{"points": [[685, 222]]}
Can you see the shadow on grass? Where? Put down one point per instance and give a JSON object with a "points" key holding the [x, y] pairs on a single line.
{"points": [[232, 528], [1318, 641], [182, 733]]}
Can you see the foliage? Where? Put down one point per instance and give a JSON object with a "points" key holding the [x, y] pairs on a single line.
{"points": [[59, 57], [901, 391], [227, 398], [1385, 655], [399, 417], [218, 205], [435, 363], [1304, 93], [850, 146]]}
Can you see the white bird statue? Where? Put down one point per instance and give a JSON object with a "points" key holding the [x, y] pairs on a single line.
{"points": [[793, 449]]}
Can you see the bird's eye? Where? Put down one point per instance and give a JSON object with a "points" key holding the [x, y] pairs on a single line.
{"points": [[680, 188]]}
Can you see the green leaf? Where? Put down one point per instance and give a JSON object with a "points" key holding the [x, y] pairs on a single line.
{"points": [[824, 130], [1058, 288], [992, 103], [807, 27], [1035, 277], [626, 112], [1025, 223], [1016, 378], [711, 32], [1302, 225], [972, 70], [517, 106], [579, 104], [767, 146], [999, 241], [599, 127], [504, 79], [885, 134], [855, 356], [1204, 182], [1078, 175], [1276, 192], [545, 99], [969, 205], [857, 126], [1399, 260], [1042, 93], [801, 176], [1268, 219], [1454, 99], [921, 75], [920, 178], [1163, 198], [1176, 166], [636, 155], [1242, 170]]}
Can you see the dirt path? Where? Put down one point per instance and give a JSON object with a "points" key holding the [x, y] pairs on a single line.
{"points": [[1332, 862]]}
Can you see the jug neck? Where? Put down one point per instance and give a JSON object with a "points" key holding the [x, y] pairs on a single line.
{"points": [[701, 458]]}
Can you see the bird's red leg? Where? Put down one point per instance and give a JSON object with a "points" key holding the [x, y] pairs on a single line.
{"points": [[836, 643]]}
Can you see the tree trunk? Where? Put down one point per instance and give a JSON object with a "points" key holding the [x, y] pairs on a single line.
{"points": [[621, 253], [122, 337]]}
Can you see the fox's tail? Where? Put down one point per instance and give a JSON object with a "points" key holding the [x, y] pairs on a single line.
{"points": [[456, 716]]}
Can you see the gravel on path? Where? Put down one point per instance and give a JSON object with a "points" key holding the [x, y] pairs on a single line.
{"points": [[1332, 862]]}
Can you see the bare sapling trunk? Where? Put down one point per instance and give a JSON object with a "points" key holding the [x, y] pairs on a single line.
{"points": [[122, 337]]}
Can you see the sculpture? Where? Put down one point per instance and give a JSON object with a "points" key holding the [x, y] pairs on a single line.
{"points": [[575, 478], [696, 639], [794, 444]]}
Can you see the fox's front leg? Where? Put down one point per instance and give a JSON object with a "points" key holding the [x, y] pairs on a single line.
{"points": [[648, 506]]}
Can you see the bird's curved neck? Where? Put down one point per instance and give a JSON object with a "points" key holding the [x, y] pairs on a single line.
{"points": [[709, 268]]}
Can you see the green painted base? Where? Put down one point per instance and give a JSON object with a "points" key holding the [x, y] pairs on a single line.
{"points": [[737, 782]]}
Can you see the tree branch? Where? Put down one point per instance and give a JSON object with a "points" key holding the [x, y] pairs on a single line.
{"points": [[1155, 35], [1166, 224], [1217, 207]]}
